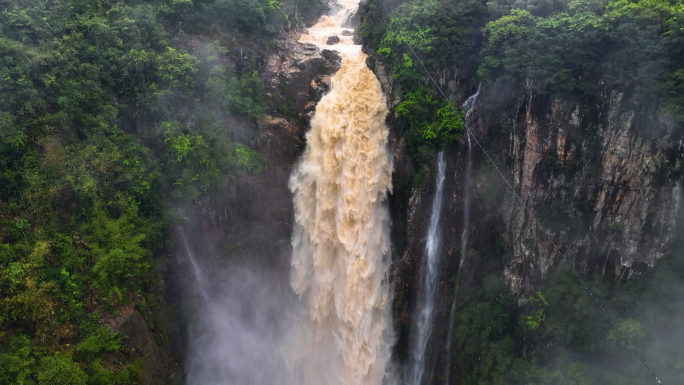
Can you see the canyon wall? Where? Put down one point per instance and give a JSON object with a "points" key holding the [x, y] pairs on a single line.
{"points": [[592, 185]]}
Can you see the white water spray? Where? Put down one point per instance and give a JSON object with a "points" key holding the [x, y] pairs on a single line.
{"points": [[235, 326], [469, 107], [426, 302], [341, 234]]}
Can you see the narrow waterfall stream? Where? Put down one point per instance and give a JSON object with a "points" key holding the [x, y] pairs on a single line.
{"points": [[341, 234], [469, 107], [198, 274], [426, 301]]}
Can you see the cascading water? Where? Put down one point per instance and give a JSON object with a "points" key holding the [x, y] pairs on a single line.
{"points": [[469, 107], [426, 300], [341, 233], [333, 327], [200, 278], [236, 322]]}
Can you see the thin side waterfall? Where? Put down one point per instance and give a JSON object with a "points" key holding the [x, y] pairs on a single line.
{"points": [[200, 278], [430, 269], [469, 107], [340, 240]]}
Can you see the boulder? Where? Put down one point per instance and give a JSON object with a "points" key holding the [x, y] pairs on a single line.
{"points": [[332, 40]]}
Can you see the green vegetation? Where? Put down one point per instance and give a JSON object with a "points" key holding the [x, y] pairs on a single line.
{"points": [[618, 42], [566, 337], [434, 123], [571, 50], [440, 32], [560, 336], [84, 203], [562, 48]]}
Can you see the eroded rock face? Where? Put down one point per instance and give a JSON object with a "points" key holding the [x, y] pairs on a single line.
{"points": [[602, 193], [293, 75], [599, 176]]}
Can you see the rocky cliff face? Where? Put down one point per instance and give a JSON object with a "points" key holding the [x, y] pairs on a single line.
{"points": [[253, 215], [601, 181], [153, 335], [601, 176]]}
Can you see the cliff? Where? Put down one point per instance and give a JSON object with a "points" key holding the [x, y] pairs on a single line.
{"points": [[593, 184]]}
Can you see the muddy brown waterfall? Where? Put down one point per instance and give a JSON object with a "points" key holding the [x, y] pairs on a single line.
{"points": [[341, 235]]}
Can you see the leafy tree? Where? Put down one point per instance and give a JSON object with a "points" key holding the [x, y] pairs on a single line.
{"points": [[433, 122], [15, 362]]}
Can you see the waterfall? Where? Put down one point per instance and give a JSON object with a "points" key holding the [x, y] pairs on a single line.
{"points": [[426, 301], [469, 107], [200, 278], [341, 232], [236, 323]]}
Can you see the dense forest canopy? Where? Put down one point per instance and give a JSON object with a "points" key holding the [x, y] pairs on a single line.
{"points": [[565, 49], [85, 205]]}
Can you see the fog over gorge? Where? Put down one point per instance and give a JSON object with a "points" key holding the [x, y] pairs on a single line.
{"points": [[341, 192]]}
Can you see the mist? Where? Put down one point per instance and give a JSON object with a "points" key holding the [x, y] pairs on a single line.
{"points": [[238, 318]]}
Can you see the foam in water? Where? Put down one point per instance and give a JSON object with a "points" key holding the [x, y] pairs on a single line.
{"points": [[340, 239], [426, 302]]}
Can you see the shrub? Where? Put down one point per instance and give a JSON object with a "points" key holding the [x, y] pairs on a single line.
{"points": [[434, 123], [102, 340], [60, 369]]}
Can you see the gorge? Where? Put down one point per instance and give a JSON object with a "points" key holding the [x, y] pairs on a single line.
{"points": [[307, 192]]}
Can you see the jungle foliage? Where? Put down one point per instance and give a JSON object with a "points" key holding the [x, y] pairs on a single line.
{"points": [[84, 203], [592, 44], [562, 48], [439, 32], [561, 337]]}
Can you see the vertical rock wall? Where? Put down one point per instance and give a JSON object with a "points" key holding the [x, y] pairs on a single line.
{"points": [[602, 177]]}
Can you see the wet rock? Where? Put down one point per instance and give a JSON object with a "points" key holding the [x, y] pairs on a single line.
{"points": [[333, 61], [310, 15], [320, 86], [347, 33], [290, 71], [280, 140], [153, 342], [622, 207], [332, 40]]}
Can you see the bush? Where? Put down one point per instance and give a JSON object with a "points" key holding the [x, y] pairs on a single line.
{"points": [[102, 340], [434, 124], [60, 369], [15, 362]]}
